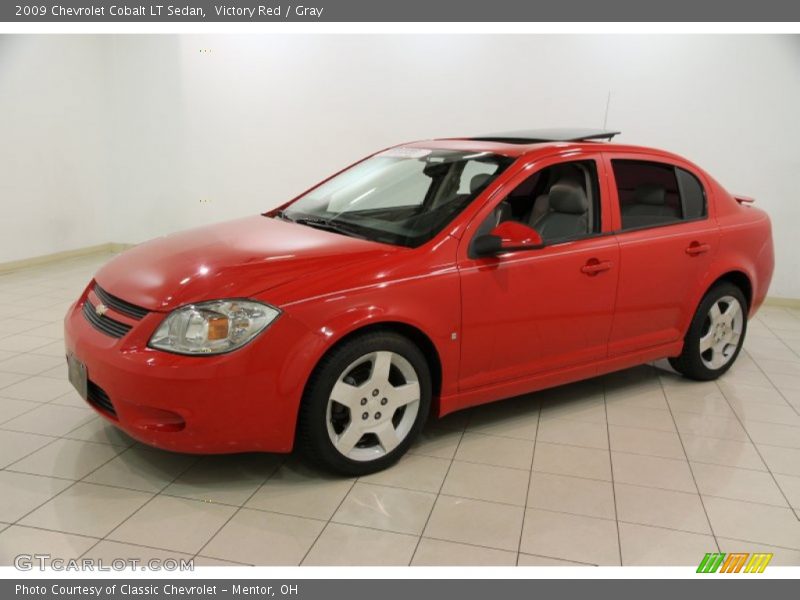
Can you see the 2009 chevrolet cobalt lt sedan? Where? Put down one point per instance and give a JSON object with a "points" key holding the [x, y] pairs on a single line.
{"points": [[426, 278]]}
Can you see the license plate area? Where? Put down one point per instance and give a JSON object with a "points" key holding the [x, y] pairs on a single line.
{"points": [[78, 376]]}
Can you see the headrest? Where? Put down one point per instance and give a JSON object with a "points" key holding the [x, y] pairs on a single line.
{"points": [[568, 197], [478, 181], [648, 193]]}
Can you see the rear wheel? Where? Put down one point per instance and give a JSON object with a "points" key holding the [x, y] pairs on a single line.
{"points": [[715, 336], [365, 403]]}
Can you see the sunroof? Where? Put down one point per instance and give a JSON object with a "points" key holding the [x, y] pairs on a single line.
{"points": [[534, 136]]}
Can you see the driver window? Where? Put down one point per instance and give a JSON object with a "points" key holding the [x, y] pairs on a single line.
{"points": [[561, 202]]}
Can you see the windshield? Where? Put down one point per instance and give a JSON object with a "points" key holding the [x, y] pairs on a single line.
{"points": [[403, 196]]}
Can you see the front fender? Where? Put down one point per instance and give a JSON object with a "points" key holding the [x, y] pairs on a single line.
{"points": [[431, 305]]}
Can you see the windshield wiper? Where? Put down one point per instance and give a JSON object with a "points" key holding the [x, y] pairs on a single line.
{"points": [[329, 225]]}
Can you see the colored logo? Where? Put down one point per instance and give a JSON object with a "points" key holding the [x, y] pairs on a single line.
{"points": [[734, 562], [101, 309]]}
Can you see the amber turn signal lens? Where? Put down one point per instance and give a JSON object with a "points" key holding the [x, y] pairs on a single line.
{"points": [[217, 328]]}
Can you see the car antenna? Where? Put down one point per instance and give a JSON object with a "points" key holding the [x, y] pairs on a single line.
{"points": [[608, 103]]}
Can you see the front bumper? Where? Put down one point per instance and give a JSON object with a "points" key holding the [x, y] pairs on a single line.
{"points": [[246, 400]]}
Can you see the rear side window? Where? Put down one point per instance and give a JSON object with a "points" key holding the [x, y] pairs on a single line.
{"points": [[653, 194]]}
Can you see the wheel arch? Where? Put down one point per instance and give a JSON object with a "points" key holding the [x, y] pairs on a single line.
{"points": [[741, 280], [413, 333], [736, 276]]}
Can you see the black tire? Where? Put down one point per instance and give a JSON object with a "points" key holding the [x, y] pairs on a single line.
{"points": [[313, 439], [690, 362]]}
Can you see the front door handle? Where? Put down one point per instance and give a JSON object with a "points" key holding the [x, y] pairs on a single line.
{"points": [[594, 266], [696, 248]]}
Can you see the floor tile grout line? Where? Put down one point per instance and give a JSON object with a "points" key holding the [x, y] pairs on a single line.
{"points": [[484, 434], [611, 468], [670, 409], [60, 437], [122, 449], [530, 483], [148, 501], [376, 529], [239, 508], [38, 326], [99, 540], [438, 539], [735, 539], [29, 376], [37, 406], [52, 441], [70, 486], [163, 492], [277, 468], [328, 521], [769, 469], [787, 346], [441, 487], [694, 478], [39, 528], [628, 452], [777, 389], [40, 322], [50, 342], [55, 437], [16, 354]]}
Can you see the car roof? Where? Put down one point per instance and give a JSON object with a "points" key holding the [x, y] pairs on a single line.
{"points": [[518, 143], [536, 136]]}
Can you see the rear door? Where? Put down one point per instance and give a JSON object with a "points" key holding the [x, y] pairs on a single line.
{"points": [[667, 243]]}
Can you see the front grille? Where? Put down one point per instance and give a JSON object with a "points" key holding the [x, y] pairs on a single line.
{"points": [[99, 399], [103, 323], [119, 305]]}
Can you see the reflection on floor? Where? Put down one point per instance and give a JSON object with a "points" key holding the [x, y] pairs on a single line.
{"points": [[637, 468]]}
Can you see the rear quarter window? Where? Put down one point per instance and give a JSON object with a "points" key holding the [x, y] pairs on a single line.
{"points": [[692, 194]]}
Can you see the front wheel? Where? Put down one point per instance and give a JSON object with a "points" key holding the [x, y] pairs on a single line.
{"points": [[715, 336], [365, 403]]}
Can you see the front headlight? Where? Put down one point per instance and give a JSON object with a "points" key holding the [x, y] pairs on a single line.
{"points": [[212, 327]]}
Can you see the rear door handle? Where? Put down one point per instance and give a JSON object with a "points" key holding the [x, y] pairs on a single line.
{"points": [[696, 248], [594, 266]]}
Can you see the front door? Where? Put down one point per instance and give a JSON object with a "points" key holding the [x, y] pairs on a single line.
{"points": [[534, 311]]}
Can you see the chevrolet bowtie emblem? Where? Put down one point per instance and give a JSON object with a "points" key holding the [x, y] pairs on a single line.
{"points": [[101, 309]]}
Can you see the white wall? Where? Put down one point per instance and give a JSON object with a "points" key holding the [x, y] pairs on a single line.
{"points": [[54, 128], [196, 137]]}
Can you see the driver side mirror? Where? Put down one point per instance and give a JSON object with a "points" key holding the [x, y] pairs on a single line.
{"points": [[508, 236]]}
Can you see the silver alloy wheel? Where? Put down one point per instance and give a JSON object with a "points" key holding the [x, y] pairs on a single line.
{"points": [[722, 333], [373, 405]]}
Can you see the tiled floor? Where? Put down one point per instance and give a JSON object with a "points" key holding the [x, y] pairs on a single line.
{"points": [[637, 468]]}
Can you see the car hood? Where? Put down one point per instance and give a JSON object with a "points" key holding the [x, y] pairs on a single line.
{"points": [[235, 259]]}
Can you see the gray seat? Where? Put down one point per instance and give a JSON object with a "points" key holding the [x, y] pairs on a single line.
{"points": [[501, 212], [572, 173], [567, 216], [650, 200], [478, 181], [541, 206]]}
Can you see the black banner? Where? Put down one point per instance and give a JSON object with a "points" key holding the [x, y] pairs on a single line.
{"points": [[730, 588], [400, 11]]}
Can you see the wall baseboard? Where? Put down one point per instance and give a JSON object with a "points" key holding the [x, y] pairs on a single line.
{"points": [[782, 302], [113, 247], [107, 248]]}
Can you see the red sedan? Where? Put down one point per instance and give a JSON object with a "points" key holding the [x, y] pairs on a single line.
{"points": [[426, 278]]}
